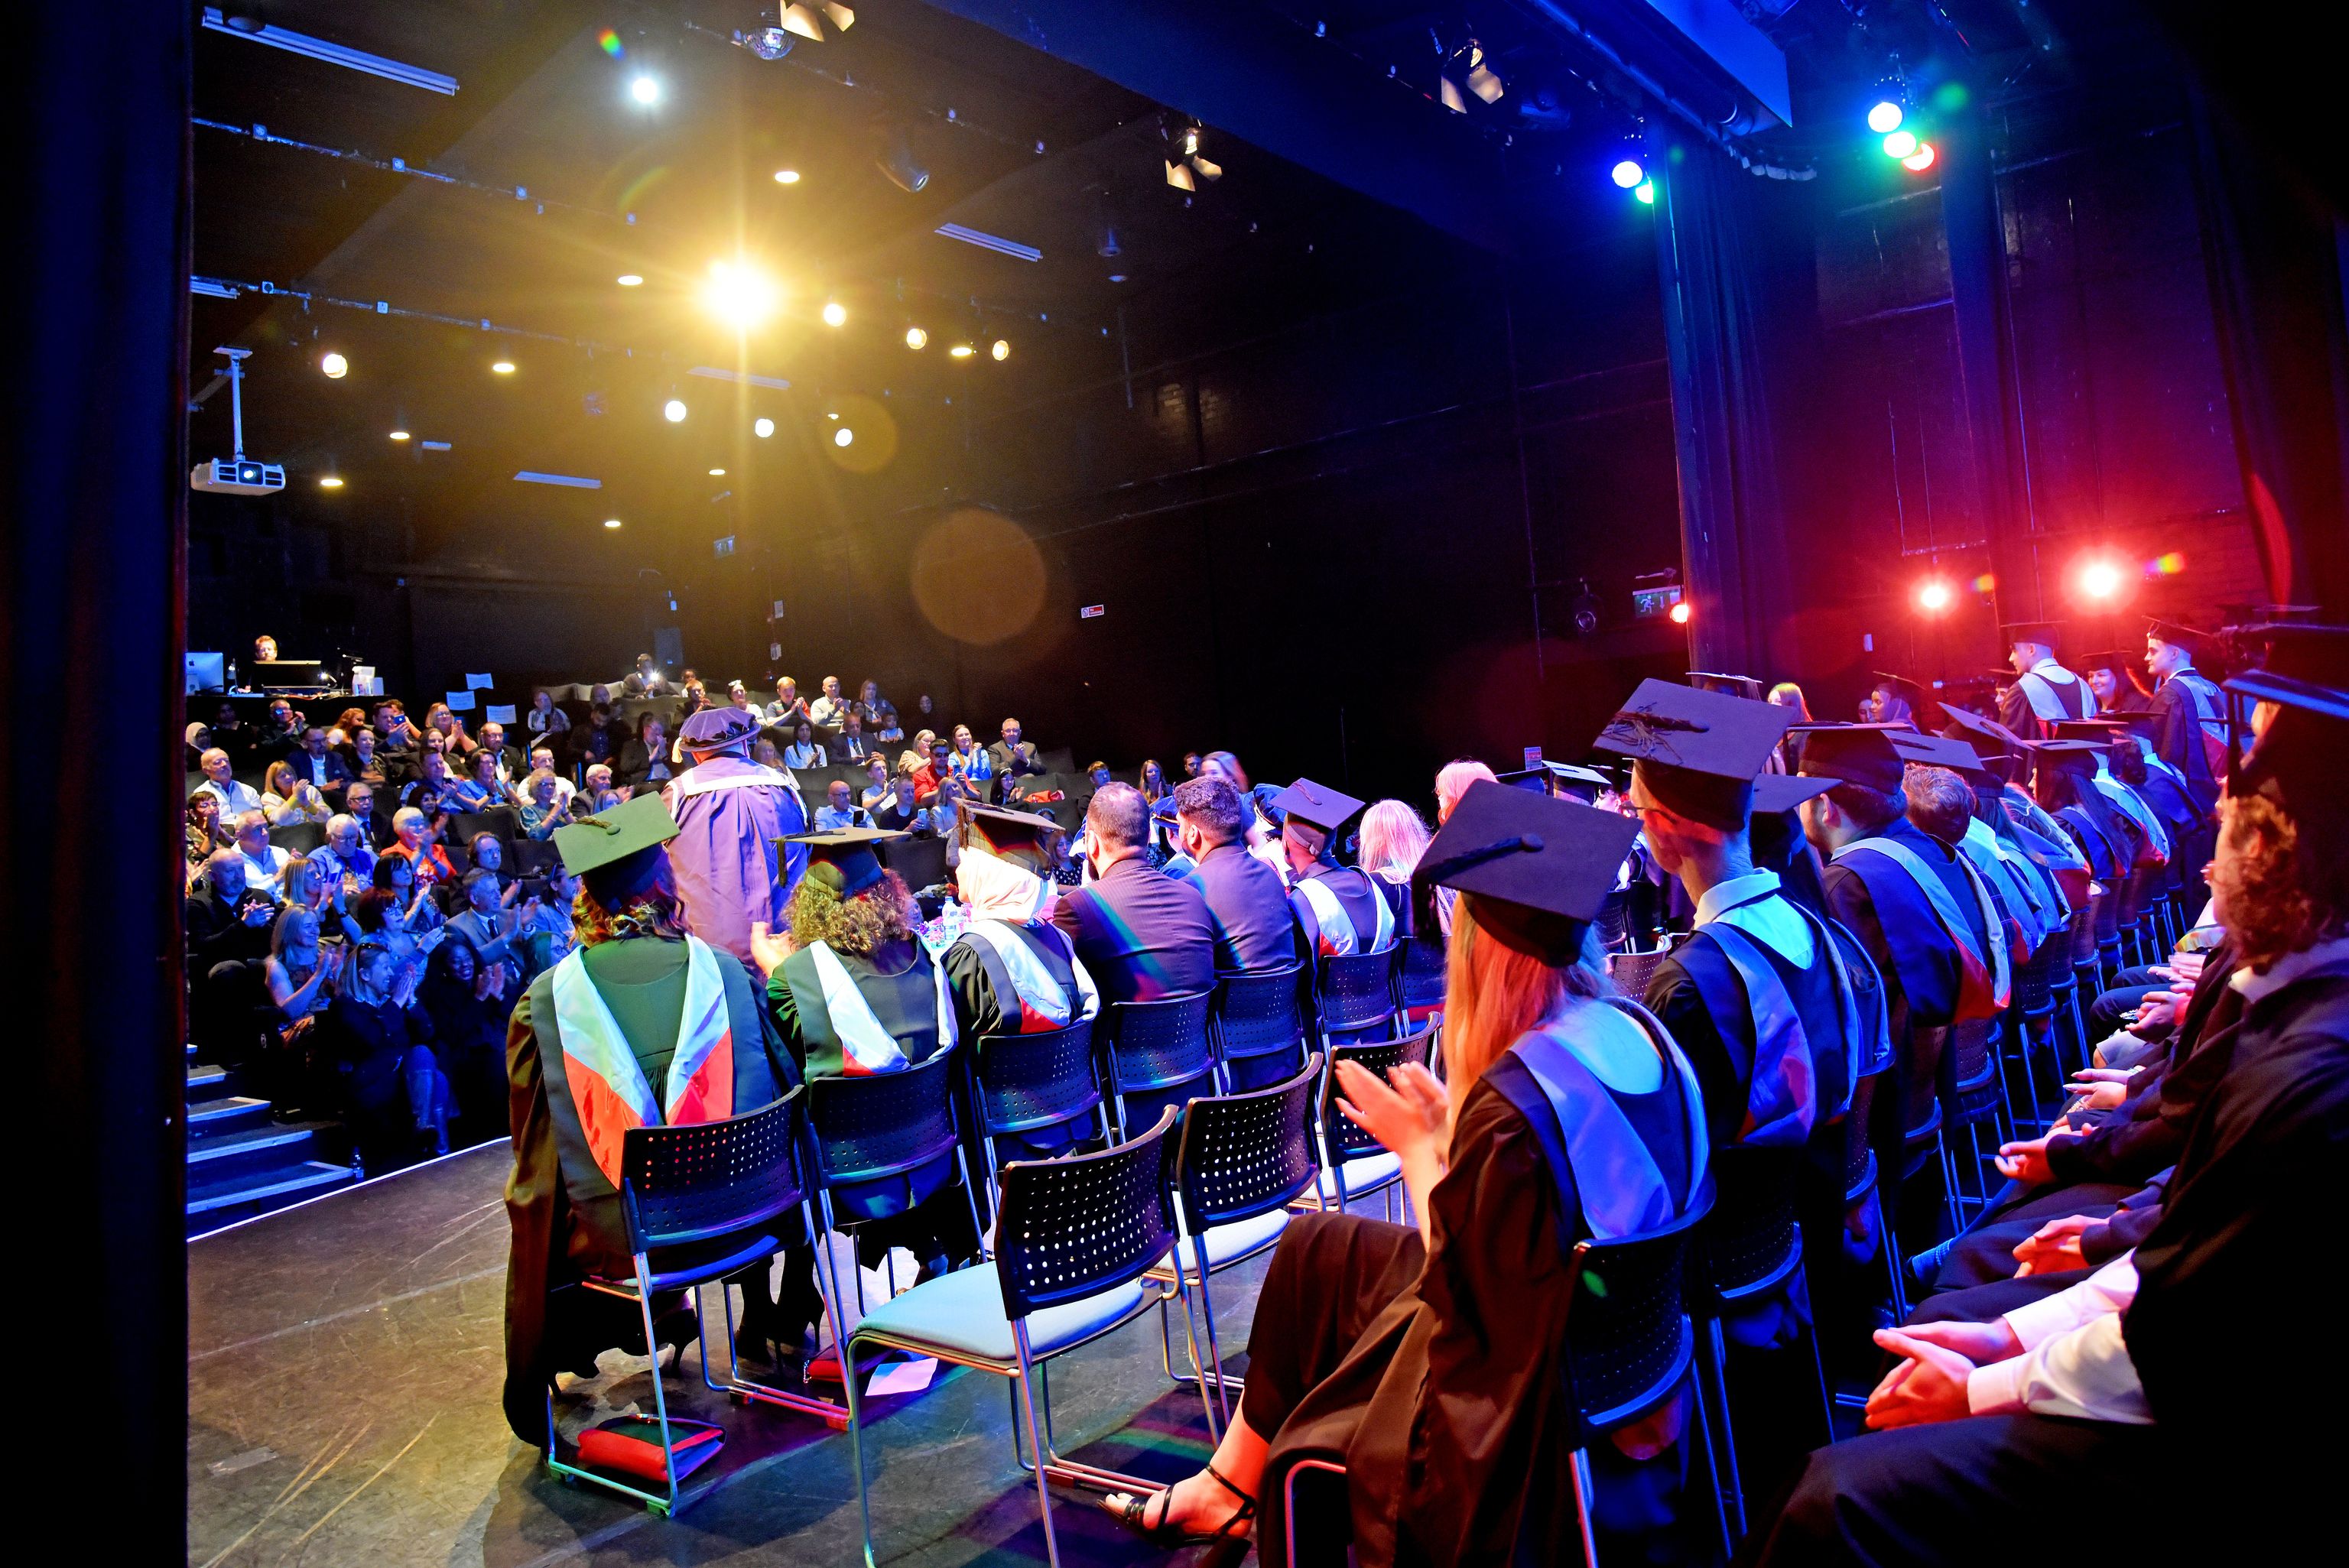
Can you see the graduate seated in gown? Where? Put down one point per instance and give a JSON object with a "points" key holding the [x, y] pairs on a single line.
{"points": [[1427, 1359], [853, 992], [2176, 1360]]}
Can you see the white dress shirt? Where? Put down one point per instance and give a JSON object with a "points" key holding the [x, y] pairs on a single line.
{"points": [[236, 798], [1748, 902], [2074, 1361]]}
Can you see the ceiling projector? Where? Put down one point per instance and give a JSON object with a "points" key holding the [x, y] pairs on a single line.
{"points": [[239, 475]]}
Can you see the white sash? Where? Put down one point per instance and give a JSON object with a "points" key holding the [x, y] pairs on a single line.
{"points": [[869, 1048], [1039, 991], [2047, 703], [692, 782], [1338, 938], [607, 1083]]}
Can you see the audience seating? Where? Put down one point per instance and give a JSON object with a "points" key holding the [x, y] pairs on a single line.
{"points": [[1240, 1160], [699, 1202], [1354, 996], [2034, 1015], [1151, 1047], [1632, 971], [922, 862], [1257, 1025], [535, 857], [298, 838], [883, 1124], [503, 822], [1076, 1240], [1353, 1164]]}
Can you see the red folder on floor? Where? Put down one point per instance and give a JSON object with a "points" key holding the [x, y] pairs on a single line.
{"points": [[632, 1446]]}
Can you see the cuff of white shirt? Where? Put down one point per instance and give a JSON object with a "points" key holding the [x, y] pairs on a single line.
{"points": [[1996, 1389], [2036, 1322]]}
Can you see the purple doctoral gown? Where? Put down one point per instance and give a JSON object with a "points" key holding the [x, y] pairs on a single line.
{"points": [[729, 811]]}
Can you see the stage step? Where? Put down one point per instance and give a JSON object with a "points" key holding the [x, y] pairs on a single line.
{"points": [[227, 1202], [215, 1119], [248, 1151], [205, 1083]]}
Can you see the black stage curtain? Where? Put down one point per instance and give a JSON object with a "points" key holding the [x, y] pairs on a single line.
{"points": [[1735, 262], [2275, 255], [93, 488]]}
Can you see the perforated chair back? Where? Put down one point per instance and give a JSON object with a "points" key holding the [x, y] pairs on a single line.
{"points": [[2132, 901], [1074, 1226], [883, 1124], [1154, 1045], [1631, 971], [2034, 980], [1858, 1155], [1340, 1136], [1257, 1013], [1027, 1081], [2108, 912], [298, 838], [1356, 992], [1246, 1154], [705, 1180], [1969, 1063], [1419, 979], [1749, 1241], [1628, 1337], [2084, 930]]}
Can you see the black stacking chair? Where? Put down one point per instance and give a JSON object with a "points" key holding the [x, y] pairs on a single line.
{"points": [[2034, 1015], [1628, 1347], [1631, 971], [1419, 977], [1258, 1026], [1972, 1094], [2108, 958], [2086, 976], [1021, 1083], [1152, 1046], [1239, 1161], [699, 1203], [874, 1127], [2129, 921], [1354, 996], [298, 838], [1860, 1179], [1750, 1245], [1353, 1164], [501, 821], [1076, 1238]]}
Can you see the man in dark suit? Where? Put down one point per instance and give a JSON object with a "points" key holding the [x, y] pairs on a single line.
{"points": [[1011, 756], [1255, 928], [315, 764], [1141, 935], [850, 744]]}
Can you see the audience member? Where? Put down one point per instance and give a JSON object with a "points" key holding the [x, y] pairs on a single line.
{"points": [[485, 922], [803, 751], [346, 856], [236, 797], [840, 809], [227, 928], [359, 803], [468, 998], [373, 1042], [396, 902], [900, 811], [544, 807], [969, 761], [205, 832], [361, 759], [317, 766], [877, 782], [264, 863], [849, 745], [544, 720], [879, 715], [789, 709], [1010, 756], [919, 763], [441, 720], [511, 763], [644, 764], [1154, 787], [1191, 761], [1248, 907], [415, 841], [829, 713], [1141, 935]]}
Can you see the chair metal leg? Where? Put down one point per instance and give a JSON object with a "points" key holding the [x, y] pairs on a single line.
{"points": [[855, 1434], [1212, 1369], [1035, 1438], [1732, 1487], [1586, 1500], [660, 1397], [1889, 1244]]}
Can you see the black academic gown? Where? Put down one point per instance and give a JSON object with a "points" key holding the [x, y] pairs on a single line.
{"points": [[1356, 896], [2186, 709], [564, 1212]]}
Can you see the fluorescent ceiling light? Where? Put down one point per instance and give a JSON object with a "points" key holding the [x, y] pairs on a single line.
{"points": [[333, 54], [986, 241], [529, 476], [742, 377]]}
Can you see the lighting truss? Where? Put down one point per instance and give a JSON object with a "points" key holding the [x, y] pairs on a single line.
{"points": [[333, 54], [986, 242]]}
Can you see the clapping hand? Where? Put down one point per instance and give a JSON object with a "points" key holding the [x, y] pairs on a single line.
{"points": [[1405, 1111], [768, 949], [1930, 1386], [2054, 1247]]}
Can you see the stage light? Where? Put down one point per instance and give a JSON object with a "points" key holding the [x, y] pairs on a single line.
{"points": [[1001, 351], [332, 482], [1885, 118], [645, 90], [1208, 169], [800, 19], [844, 436], [1900, 144], [739, 295], [1646, 192], [1178, 175], [1919, 160], [916, 338], [962, 351], [335, 366], [674, 411], [717, 473], [843, 18], [611, 522], [762, 427], [896, 161], [2100, 580], [767, 43], [399, 435], [834, 314], [630, 279], [1934, 595], [1628, 173], [1680, 613], [787, 176]]}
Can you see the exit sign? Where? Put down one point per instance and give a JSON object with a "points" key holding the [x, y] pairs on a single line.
{"points": [[1092, 612]]}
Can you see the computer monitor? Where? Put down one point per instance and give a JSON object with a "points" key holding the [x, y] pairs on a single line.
{"points": [[207, 672], [291, 675]]}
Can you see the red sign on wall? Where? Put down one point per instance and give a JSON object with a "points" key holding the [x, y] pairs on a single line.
{"points": [[1092, 612]]}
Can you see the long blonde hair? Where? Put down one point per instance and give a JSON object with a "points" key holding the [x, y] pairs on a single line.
{"points": [[1452, 781], [1494, 995], [1393, 837]]}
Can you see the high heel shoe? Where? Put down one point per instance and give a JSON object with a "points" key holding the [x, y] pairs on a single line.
{"points": [[1133, 1513]]}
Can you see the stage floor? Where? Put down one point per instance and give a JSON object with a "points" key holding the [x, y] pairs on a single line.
{"points": [[344, 1366]]}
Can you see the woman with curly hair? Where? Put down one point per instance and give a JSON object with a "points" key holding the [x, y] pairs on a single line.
{"points": [[853, 992]]}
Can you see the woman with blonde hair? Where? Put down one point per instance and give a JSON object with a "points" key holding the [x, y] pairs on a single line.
{"points": [[288, 797], [1392, 840], [1426, 1359], [1452, 781]]}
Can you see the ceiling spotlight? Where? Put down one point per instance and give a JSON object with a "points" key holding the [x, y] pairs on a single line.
{"points": [[1106, 243], [335, 366], [630, 279], [841, 17], [332, 482], [787, 176], [674, 411], [1208, 169], [1935, 595], [768, 43], [843, 436], [503, 367], [399, 435], [1646, 192], [1680, 613], [1627, 174], [1178, 175], [762, 427], [1485, 83], [962, 351], [645, 90], [916, 338], [1001, 351], [801, 19], [2100, 580], [611, 522], [1187, 142], [739, 295], [1919, 160], [834, 314], [717, 473], [1900, 144], [1885, 118], [896, 161]]}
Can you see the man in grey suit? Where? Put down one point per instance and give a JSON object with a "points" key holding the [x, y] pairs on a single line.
{"points": [[1255, 928], [1011, 756]]}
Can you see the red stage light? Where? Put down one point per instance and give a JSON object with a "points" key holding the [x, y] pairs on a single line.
{"points": [[1934, 595], [1681, 614]]}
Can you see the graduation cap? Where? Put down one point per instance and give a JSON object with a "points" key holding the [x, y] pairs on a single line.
{"points": [[2238, 617], [1861, 754], [2123, 664], [1003, 829], [2048, 635], [2303, 652], [616, 852], [1745, 687], [2307, 677], [1533, 871], [1315, 806], [1778, 792], [2186, 637], [1695, 752], [1554, 778], [2106, 731], [1920, 701], [844, 858], [1937, 751], [2066, 755], [1986, 736]]}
